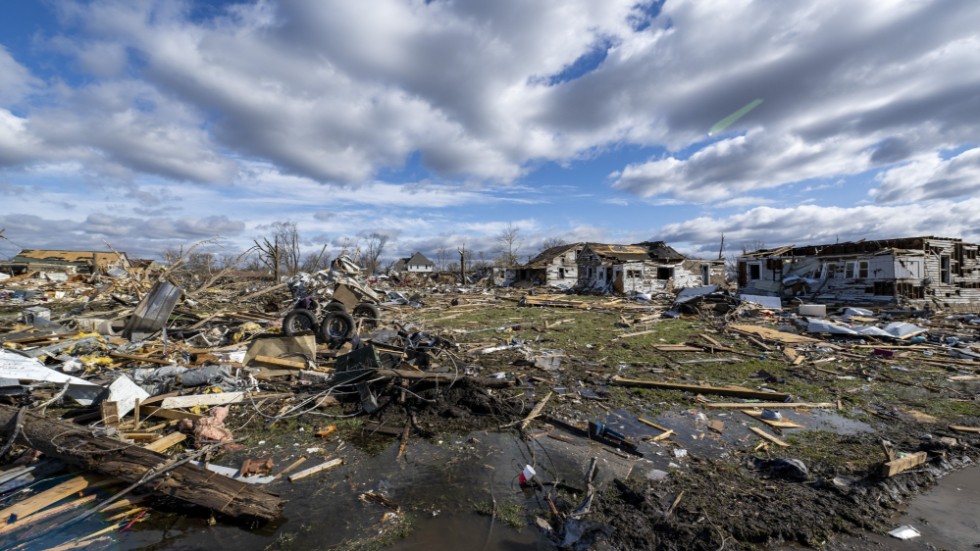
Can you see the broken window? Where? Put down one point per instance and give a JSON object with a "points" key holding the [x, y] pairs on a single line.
{"points": [[857, 269], [634, 274], [667, 273], [561, 273], [755, 271], [944, 273]]}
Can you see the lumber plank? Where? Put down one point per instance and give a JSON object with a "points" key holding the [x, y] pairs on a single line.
{"points": [[27, 507], [130, 463], [39, 501], [314, 470], [769, 437], [768, 405], [783, 424], [703, 389], [902, 464], [191, 400], [280, 362], [961, 428], [771, 334], [172, 414]]}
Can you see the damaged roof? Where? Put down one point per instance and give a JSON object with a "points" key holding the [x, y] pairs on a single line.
{"points": [[648, 250], [90, 258], [851, 247], [546, 256]]}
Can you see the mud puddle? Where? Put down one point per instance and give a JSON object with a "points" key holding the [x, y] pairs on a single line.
{"points": [[947, 517], [451, 493]]}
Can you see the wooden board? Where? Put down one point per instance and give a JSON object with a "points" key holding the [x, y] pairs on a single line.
{"points": [[771, 334], [280, 362], [191, 400], [317, 469], [75, 446], [902, 464], [961, 428], [767, 405], [782, 424], [769, 437], [172, 414], [702, 389]]}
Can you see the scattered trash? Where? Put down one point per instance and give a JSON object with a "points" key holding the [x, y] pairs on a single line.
{"points": [[904, 532]]}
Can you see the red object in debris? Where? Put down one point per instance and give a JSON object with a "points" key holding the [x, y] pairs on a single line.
{"points": [[884, 353], [526, 475]]}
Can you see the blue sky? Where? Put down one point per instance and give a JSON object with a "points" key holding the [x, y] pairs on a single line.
{"points": [[156, 124]]}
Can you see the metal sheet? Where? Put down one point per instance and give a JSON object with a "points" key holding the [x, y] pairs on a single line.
{"points": [[153, 311]]}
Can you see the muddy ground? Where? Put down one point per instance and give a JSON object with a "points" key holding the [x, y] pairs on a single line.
{"points": [[454, 477]]}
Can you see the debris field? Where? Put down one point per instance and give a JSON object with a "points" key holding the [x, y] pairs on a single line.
{"points": [[140, 404]]}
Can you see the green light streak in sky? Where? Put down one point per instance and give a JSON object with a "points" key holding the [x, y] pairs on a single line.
{"points": [[730, 119]]}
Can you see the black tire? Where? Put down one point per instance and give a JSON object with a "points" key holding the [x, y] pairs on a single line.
{"points": [[368, 314], [335, 307], [336, 328], [298, 321]]}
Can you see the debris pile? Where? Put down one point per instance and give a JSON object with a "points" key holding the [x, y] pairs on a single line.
{"points": [[217, 394]]}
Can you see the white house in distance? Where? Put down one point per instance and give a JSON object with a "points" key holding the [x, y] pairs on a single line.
{"points": [[415, 264]]}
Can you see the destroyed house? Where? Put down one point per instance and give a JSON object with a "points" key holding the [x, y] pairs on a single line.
{"points": [[644, 267], [554, 267], [71, 262], [914, 271], [417, 263]]}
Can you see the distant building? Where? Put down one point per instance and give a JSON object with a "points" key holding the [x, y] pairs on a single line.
{"points": [[918, 271], [417, 263], [554, 267], [644, 267], [70, 262]]}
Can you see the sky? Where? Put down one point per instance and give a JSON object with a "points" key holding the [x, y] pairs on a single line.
{"points": [[151, 125]]}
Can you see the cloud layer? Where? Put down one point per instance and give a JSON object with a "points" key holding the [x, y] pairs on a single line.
{"points": [[151, 122]]}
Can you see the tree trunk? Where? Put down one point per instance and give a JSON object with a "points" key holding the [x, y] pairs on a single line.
{"points": [[129, 463]]}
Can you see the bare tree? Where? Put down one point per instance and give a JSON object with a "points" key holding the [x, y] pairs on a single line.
{"points": [[462, 262], [442, 256], [281, 253], [314, 262], [508, 244], [374, 245], [552, 242]]}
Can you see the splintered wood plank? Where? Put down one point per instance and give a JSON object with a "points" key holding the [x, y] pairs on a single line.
{"points": [[317, 469], [37, 502], [781, 424], [280, 362], [191, 400], [163, 413], [650, 423], [769, 437], [771, 334], [703, 389], [768, 405], [961, 428], [902, 464]]}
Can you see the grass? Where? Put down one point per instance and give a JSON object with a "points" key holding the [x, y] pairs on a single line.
{"points": [[828, 450], [511, 514], [404, 525]]}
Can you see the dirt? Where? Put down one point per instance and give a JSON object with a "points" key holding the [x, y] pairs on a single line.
{"points": [[727, 505]]}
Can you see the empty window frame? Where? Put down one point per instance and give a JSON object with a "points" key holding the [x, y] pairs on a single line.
{"points": [[755, 271]]}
